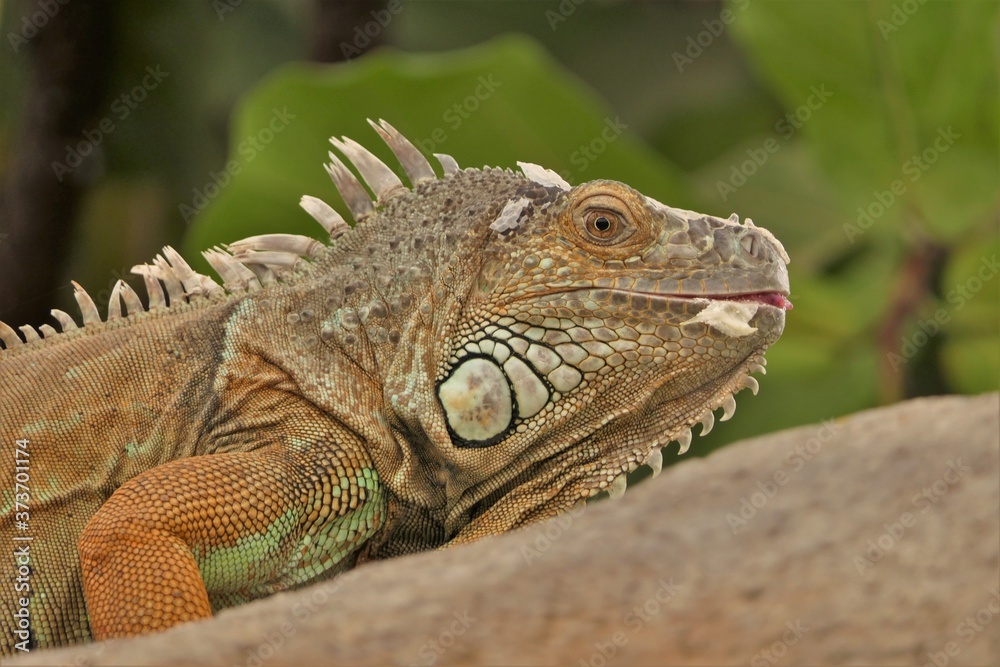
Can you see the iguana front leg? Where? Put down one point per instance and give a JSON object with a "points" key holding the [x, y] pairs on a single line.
{"points": [[203, 533]]}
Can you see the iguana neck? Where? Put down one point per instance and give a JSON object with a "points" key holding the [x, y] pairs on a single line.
{"points": [[363, 335]]}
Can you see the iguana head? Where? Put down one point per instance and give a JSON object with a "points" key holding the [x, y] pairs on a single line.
{"points": [[565, 334], [602, 325]]}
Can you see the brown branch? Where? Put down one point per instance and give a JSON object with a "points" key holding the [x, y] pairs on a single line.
{"points": [[914, 286]]}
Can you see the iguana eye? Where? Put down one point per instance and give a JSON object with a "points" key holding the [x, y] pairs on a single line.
{"points": [[605, 226]]}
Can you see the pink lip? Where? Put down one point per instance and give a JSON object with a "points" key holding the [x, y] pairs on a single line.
{"points": [[768, 298]]}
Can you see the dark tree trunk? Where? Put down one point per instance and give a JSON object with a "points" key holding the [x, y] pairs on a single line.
{"points": [[343, 30], [68, 56]]}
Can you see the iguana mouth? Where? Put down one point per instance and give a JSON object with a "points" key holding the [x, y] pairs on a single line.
{"points": [[773, 298], [776, 299]]}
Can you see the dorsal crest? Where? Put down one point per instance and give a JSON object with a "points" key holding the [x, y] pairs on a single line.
{"points": [[254, 263]]}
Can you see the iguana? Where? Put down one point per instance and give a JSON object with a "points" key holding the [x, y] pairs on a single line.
{"points": [[485, 349]]}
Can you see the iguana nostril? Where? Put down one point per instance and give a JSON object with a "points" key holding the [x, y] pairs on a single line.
{"points": [[752, 244]]}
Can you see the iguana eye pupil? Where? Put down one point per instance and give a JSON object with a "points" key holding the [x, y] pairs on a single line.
{"points": [[603, 226]]}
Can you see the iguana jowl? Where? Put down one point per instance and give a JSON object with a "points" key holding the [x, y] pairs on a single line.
{"points": [[483, 350]]}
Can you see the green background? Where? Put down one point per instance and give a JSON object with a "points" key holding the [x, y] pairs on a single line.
{"points": [[863, 134]]}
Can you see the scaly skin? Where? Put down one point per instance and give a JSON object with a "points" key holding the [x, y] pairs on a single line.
{"points": [[480, 352]]}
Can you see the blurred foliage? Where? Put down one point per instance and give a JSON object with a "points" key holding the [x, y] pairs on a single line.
{"points": [[863, 134], [907, 140], [493, 104]]}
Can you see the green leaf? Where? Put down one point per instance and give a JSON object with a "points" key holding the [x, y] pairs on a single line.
{"points": [[893, 107], [969, 316], [899, 104], [494, 104], [974, 363]]}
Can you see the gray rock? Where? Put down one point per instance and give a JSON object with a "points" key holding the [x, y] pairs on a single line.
{"points": [[871, 539]]}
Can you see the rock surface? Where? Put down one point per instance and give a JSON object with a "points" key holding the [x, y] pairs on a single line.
{"points": [[870, 540]]}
